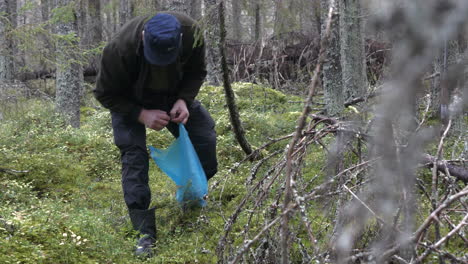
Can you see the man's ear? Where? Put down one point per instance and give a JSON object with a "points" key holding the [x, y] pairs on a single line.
{"points": [[143, 35]]}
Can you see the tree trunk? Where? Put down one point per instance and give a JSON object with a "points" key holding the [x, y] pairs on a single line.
{"points": [[180, 6], [236, 20], [258, 21], [332, 76], [68, 85], [230, 97], [45, 10], [212, 36], [352, 49], [126, 9], [95, 25], [95, 29], [6, 45], [196, 9], [285, 17]]}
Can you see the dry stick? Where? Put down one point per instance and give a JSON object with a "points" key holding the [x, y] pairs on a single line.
{"points": [[298, 133], [11, 171], [232, 219], [369, 209], [423, 227], [453, 227], [256, 167], [428, 104], [456, 171], [435, 178], [442, 240], [292, 207]]}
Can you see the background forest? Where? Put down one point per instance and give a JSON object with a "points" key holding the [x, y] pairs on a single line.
{"points": [[342, 134]]}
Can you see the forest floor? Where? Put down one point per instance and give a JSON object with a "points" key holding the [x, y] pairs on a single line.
{"points": [[61, 198]]}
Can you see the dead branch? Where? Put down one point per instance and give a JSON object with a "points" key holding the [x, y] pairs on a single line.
{"points": [[442, 240], [423, 227], [11, 171], [301, 123], [456, 171], [442, 165]]}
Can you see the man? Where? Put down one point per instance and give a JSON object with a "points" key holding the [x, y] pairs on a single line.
{"points": [[150, 74]]}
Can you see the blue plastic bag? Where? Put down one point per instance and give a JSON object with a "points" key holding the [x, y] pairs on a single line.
{"points": [[181, 163]]}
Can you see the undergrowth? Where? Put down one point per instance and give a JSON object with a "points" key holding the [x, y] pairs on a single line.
{"points": [[61, 198]]}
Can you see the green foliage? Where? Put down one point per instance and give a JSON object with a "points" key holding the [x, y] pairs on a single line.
{"points": [[63, 14]]}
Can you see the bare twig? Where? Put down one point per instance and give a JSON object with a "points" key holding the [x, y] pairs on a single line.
{"points": [[298, 133], [423, 227], [369, 209], [11, 171], [442, 240]]}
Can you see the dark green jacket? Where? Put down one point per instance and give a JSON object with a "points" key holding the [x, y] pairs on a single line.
{"points": [[124, 72]]}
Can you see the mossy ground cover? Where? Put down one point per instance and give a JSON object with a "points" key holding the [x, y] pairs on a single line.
{"points": [[67, 206]]}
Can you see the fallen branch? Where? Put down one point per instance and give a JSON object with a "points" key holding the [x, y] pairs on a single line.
{"points": [[458, 172], [442, 240], [427, 222], [11, 171], [442, 165]]}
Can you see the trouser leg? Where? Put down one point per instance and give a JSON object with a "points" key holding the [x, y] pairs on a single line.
{"points": [[200, 128], [130, 138]]}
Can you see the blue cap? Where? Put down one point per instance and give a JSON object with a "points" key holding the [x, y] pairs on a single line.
{"points": [[162, 39]]}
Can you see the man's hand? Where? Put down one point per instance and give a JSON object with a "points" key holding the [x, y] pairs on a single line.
{"points": [[154, 119], [179, 112]]}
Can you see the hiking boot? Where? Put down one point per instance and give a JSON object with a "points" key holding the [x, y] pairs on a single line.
{"points": [[144, 222], [144, 247]]}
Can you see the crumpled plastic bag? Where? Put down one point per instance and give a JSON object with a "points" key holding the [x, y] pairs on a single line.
{"points": [[181, 163]]}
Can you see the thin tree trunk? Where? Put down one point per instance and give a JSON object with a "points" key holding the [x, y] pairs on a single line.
{"points": [[236, 20], [196, 9], [230, 98], [352, 49], [281, 24], [258, 21], [94, 9], [212, 36], [126, 10], [68, 85], [95, 29], [180, 6], [6, 45], [332, 75], [45, 10]]}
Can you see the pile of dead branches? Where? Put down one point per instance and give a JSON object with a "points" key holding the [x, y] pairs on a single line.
{"points": [[388, 191]]}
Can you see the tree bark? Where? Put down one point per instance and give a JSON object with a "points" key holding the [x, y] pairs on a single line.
{"points": [[45, 10], [230, 97], [95, 25], [68, 85], [95, 29], [258, 21], [126, 10], [332, 79], [352, 49], [180, 6], [212, 39], [196, 9], [236, 20], [6, 43]]}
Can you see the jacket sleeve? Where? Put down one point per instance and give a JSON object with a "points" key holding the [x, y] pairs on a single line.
{"points": [[194, 73], [114, 85]]}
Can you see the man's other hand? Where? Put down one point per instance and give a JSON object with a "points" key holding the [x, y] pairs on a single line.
{"points": [[179, 112], [154, 119]]}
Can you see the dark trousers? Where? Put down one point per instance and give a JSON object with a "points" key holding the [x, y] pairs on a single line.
{"points": [[130, 138]]}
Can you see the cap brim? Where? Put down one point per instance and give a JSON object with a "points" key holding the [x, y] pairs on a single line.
{"points": [[159, 59]]}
